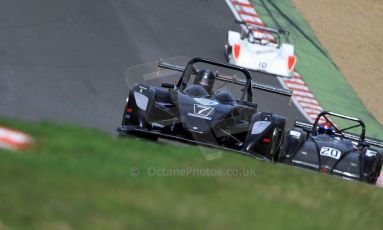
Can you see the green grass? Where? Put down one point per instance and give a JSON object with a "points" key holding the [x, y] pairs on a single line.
{"points": [[76, 178], [327, 83]]}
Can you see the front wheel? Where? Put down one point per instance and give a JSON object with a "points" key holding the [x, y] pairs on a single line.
{"points": [[265, 135]]}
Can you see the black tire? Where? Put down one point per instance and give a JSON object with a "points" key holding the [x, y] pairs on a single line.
{"points": [[227, 52], [377, 172], [270, 149], [277, 155], [277, 143]]}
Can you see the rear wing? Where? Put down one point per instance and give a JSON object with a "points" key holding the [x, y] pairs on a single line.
{"points": [[275, 31], [233, 80], [264, 28], [353, 137]]}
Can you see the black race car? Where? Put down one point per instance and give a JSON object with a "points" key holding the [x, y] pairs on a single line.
{"points": [[193, 110], [329, 149]]}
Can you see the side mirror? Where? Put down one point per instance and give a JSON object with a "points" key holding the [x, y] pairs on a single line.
{"points": [[168, 85]]}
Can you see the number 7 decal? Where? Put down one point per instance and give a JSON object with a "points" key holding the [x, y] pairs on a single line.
{"points": [[202, 110]]}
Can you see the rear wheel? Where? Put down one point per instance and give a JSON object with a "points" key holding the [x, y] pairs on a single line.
{"points": [[373, 179]]}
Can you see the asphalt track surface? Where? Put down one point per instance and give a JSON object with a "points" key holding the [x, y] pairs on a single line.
{"points": [[65, 61]]}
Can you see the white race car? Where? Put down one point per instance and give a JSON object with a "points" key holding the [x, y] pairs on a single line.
{"points": [[260, 48]]}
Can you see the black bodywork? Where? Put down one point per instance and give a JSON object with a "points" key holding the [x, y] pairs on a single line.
{"points": [[171, 111], [339, 153]]}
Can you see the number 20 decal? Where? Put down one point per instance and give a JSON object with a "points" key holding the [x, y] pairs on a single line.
{"points": [[330, 152]]}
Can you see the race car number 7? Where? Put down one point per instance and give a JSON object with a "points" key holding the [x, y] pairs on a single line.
{"points": [[201, 111], [330, 152]]}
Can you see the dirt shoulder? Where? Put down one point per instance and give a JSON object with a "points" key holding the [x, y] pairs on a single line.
{"points": [[352, 32]]}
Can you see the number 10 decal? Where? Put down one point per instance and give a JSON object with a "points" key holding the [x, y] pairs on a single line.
{"points": [[263, 65], [330, 152]]}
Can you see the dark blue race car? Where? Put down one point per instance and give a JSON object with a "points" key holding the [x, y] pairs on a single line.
{"points": [[196, 111], [329, 149]]}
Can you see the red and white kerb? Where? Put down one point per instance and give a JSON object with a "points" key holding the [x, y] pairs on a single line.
{"points": [[14, 140]]}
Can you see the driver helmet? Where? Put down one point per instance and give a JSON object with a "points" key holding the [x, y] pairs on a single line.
{"points": [[325, 128], [206, 79]]}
